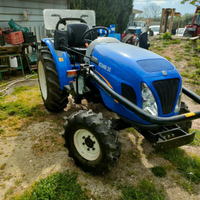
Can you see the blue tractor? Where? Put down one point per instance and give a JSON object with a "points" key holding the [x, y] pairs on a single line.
{"points": [[141, 87]]}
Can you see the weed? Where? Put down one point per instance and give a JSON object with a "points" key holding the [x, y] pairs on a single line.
{"points": [[8, 177], [2, 166], [177, 59], [166, 43], [18, 182], [196, 140], [177, 41], [187, 166], [187, 185], [56, 186], [168, 58], [130, 130], [145, 190], [197, 72], [194, 61], [10, 191], [159, 171], [2, 131], [193, 82], [167, 36]]}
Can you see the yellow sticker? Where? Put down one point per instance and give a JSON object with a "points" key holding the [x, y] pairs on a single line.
{"points": [[189, 114], [116, 101], [61, 60]]}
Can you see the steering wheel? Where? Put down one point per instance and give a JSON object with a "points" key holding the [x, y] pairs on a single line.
{"points": [[92, 30], [63, 21]]}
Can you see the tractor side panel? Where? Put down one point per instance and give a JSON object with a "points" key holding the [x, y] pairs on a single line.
{"points": [[62, 63], [114, 76]]}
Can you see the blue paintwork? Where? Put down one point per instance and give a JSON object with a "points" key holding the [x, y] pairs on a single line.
{"points": [[115, 35], [61, 66], [118, 64]]}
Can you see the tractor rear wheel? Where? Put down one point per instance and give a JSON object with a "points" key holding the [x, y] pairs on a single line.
{"points": [[53, 97], [91, 141], [186, 126]]}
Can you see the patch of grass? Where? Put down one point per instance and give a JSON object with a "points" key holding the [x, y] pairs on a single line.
{"points": [[168, 58], [51, 142], [57, 186], [2, 131], [187, 75], [19, 90], [8, 177], [187, 166], [187, 185], [177, 41], [145, 190], [197, 72], [177, 59], [2, 166], [10, 191], [193, 82], [18, 182], [196, 62], [130, 130], [196, 140], [166, 43], [159, 171], [133, 156]]}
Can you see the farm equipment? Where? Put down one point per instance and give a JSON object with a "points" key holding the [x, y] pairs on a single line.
{"points": [[141, 87], [193, 29]]}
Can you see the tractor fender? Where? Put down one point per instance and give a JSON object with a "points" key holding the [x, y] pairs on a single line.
{"points": [[62, 62]]}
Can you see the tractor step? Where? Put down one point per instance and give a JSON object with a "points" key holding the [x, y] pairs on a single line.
{"points": [[168, 137]]}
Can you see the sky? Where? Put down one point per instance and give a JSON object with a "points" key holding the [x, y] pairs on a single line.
{"points": [[182, 8]]}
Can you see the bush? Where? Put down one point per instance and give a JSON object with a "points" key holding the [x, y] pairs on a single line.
{"points": [[167, 36]]}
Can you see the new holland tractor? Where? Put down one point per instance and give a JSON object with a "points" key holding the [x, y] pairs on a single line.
{"points": [[141, 87]]}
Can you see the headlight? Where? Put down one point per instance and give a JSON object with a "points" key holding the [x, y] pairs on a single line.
{"points": [[178, 104], [149, 104]]}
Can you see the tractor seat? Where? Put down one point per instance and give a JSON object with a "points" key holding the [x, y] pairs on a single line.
{"points": [[75, 33]]}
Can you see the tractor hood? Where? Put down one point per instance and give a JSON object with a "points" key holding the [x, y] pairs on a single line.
{"points": [[134, 60]]}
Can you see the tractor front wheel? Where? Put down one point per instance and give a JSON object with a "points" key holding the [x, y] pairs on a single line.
{"points": [[53, 97], [91, 141]]}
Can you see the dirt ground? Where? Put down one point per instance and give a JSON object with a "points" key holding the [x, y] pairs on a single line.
{"points": [[21, 165]]}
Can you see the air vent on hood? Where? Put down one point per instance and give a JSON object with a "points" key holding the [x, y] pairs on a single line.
{"points": [[155, 65]]}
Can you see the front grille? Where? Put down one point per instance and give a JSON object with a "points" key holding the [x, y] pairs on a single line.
{"points": [[167, 92]]}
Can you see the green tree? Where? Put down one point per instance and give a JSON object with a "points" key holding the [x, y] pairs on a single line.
{"points": [[185, 20], [107, 11], [193, 2]]}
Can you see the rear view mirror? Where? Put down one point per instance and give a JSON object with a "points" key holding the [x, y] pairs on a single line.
{"points": [[60, 40]]}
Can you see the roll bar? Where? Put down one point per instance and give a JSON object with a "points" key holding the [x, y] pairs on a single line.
{"points": [[165, 121]]}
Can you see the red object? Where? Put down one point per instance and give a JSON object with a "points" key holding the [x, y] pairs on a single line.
{"points": [[14, 38], [194, 28], [123, 35]]}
